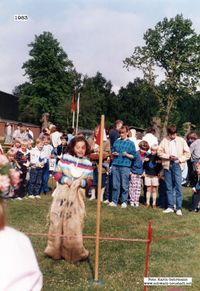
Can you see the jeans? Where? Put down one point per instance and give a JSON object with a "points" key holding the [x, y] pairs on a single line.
{"points": [[45, 179], [120, 177], [173, 179]]}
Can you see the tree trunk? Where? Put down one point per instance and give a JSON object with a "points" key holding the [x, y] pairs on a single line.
{"points": [[170, 103]]}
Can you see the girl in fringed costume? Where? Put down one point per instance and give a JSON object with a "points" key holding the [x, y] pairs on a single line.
{"points": [[74, 172]]}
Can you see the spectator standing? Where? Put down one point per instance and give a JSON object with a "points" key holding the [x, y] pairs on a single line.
{"points": [[196, 189], [194, 149], [135, 183], [37, 161], [48, 153], [114, 133], [150, 137], [55, 137], [123, 151], [152, 167], [174, 152], [8, 133], [21, 134], [22, 158]]}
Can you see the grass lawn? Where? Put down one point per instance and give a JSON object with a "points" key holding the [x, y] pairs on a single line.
{"points": [[175, 250]]}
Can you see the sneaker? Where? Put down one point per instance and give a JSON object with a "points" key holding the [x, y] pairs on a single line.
{"points": [[124, 205], [168, 210], [38, 196], [132, 204], [106, 201], [112, 204], [31, 196], [18, 198], [92, 198], [179, 212], [136, 205]]}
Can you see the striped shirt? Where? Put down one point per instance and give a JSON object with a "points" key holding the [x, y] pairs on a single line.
{"points": [[72, 168]]}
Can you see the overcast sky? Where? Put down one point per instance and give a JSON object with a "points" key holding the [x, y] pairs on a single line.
{"points": [[97, 35]]}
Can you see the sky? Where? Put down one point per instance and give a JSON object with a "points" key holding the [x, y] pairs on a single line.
{"points": [[97, 35]]}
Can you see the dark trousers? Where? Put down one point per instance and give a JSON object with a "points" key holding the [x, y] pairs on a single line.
{"points": [[21, 190], [35, 181], [45, 179]]}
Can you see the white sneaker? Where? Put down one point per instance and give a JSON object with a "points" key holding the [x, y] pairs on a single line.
{"points": [[106, 201], [92, 198], [38, 196], [136, 205], [168, 210], [132, 204], [112, 204], [179, 212], [31, 196], [19, 198], [124, 205]]}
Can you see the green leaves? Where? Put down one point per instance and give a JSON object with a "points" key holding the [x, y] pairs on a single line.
{"points": [[173, 46], [52, 77]]}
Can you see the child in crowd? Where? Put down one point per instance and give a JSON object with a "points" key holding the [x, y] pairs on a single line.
{"points": [[135, 182], [144, 152], [48, 152], [22, 157], [62, 148], [152, 167], [37, 162], [13, 165], [196, 189], [16, 145]]}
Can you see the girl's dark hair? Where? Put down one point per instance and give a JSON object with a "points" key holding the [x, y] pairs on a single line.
{"points": [[143, 145], [74, 141]]}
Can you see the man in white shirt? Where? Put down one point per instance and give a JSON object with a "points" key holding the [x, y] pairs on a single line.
{"points": [[174, 152]]}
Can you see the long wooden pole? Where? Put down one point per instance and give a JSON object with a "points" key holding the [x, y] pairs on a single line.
{"points": [[96, 274]]}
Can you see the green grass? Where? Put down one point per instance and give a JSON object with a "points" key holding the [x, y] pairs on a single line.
{"points": [[174, 252]]}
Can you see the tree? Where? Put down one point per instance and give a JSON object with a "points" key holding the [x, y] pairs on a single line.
{"points": [[96, 97], [51, 80], [174, 48], [138, 103]]}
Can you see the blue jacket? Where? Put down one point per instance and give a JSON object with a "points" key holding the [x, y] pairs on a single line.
{"points": [[137, 166]]}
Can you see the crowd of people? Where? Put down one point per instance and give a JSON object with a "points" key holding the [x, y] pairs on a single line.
{"points": [[133, 164]]}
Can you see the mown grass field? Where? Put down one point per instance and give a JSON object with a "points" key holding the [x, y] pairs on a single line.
{"points": [[175, 250]]}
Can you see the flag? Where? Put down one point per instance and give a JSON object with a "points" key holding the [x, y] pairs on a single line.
{"points": [[73, 104]]}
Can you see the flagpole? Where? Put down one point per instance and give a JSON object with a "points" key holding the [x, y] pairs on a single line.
{"points": [[73, 119], [77, 115], [96, 276]]}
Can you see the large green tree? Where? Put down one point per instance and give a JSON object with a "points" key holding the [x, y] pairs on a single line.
{"points": [[172, 49], [51, 78], [96, 99], [138, 103]]}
